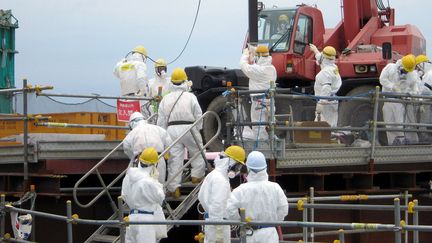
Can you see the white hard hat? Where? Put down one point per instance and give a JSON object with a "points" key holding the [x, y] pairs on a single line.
{"points": [[256, 161]]}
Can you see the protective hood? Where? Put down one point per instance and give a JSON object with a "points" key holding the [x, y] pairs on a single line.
{"points": [[260, 176], [137, 57], [222, 164], [399, 63], [265, 61], [137, 173], [325, 62], [135, 124], [182, 87]]}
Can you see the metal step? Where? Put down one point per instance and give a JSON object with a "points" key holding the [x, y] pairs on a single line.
{"points": [[104, 238]]}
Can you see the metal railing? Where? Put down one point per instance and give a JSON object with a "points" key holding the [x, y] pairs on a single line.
{"points": [[375, 97], [338, 229], [106, 188], [25, 118]]}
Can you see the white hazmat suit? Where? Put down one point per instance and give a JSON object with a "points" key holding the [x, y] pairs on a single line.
{"points": [[425, 110], [263, 201], [143, 195], [145, 135], [132, 73], [394, 81], [213, 195], [260, 75], [327, 83], [177, 111], [163, 81]]}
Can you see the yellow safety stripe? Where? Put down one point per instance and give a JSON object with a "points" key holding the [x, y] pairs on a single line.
{"points": [[127, 67]]}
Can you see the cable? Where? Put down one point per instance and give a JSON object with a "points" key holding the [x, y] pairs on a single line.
{"points": [[190, 34], [80, 103]]}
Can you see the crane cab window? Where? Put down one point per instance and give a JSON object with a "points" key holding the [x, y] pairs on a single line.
{"points": [[275, 28], [303, 34]]}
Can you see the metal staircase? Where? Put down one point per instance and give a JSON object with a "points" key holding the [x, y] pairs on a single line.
{"points": [[111, 234]]}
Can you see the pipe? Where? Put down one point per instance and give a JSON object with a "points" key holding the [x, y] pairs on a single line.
{"points": [[2, 215], [69, 222], [66, 125], [25, 137], [120, 218], [21, 118], [349, 197], [374, 125], [415, 222], [312, 212], [397, 218], [96, 96], [406, 200]]}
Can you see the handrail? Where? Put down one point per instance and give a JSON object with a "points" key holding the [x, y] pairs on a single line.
{"points": [[207, 113], [397, 226], [106, 188]]}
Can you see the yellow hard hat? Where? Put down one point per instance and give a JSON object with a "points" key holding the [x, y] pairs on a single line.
{"points": [[329, 52], [140, 49], [409, 62], [262, 51], [421, 58], [283, 17], [178, 76], [236, 153], [160, 63], [149, 156]]}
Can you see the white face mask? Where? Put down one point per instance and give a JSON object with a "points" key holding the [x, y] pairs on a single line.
{"points": [[163, 73], [233, 174], [233, 168]]}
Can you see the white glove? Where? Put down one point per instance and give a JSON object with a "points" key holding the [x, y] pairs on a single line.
{"points": [[313, 48], [219, 234], [246, 51]]}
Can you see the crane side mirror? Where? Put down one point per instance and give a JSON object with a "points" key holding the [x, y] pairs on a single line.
{"points": [[386, 50]]}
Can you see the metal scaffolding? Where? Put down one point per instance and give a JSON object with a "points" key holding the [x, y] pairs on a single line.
{"points": [[338, 229]]}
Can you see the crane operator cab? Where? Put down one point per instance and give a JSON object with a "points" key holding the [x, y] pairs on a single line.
{"points": [[277, 27]]}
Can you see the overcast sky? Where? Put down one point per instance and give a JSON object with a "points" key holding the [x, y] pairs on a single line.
{"points": [[74, 45]]}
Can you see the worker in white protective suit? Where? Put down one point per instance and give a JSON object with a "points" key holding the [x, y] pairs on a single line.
{"points": [[260, 73], [144, 196], [132, 73], [424, 72], [327, 83], [160, 83], [262, 200], [144, 135], [399, 78], [215, 191], [178, 110]]}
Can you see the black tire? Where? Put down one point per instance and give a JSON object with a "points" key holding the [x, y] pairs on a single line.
{"points": [[210, 125], [357, 113]]}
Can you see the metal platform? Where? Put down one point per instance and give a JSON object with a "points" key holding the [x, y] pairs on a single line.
{"points": [[60, 150], [352, 156], [286, 158]]}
